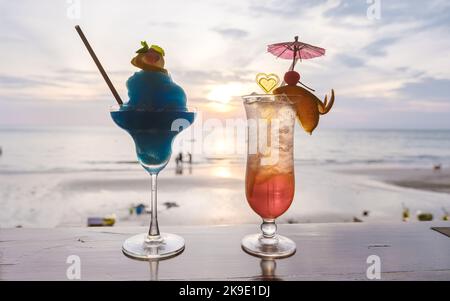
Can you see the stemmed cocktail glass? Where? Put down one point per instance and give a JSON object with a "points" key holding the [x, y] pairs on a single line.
{"points": [[269, 181], [153, 132]]}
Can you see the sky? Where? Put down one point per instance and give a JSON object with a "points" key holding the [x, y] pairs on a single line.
{"points": [[388, 61]]}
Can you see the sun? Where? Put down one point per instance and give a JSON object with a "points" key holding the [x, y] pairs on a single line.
{"points": [[219, 107], [223, 93]]}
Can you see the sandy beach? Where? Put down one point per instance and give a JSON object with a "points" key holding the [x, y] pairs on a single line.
{"points": [[213, 194], [416, 178], [337, 177]]}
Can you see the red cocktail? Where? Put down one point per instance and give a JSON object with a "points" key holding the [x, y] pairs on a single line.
{"points": [[268, 191], [269, 181]]}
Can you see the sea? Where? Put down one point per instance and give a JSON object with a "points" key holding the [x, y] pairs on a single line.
{"points": [[77, 149]]}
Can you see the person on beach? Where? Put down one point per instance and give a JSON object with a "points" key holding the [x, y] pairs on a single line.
{"points": [[190, 162], [179, 164]]}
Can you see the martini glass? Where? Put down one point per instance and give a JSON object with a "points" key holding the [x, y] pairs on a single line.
{"points": [[153, 132], [269, 180]]}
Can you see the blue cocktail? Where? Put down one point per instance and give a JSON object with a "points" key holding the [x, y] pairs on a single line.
{"points": [[153, 133], [154, 114]]}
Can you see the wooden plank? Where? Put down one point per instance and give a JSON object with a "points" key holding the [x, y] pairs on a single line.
{"points": [[325, 252]]}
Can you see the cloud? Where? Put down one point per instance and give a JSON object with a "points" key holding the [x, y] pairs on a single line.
{"points": [[62, 85], [202, 77], [233, 33], [398, 63], [350, 61], [19, 82], [427, 89], [425, 106], [396, 11], [66, 74], [165, 24], [282, 8], [378, 47]]}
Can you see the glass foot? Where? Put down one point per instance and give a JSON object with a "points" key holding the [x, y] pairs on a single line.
{"points": [[277, 247], [140, 247]]}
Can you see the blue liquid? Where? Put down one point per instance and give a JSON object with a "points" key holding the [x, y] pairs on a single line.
{"points": [[153, 133], [152, 89]]}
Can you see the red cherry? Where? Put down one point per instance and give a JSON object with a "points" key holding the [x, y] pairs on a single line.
{"points": [[292, 78]]}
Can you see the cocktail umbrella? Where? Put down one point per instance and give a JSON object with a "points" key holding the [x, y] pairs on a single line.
{"points": [[295, 51]]}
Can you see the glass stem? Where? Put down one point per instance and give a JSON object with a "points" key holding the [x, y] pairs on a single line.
{"points": [[153, 232], [269, 228], [154, 265]]}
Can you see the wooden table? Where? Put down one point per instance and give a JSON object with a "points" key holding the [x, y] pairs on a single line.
{"points": [[408, 251]]}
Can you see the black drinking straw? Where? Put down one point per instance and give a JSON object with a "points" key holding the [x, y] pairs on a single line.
{"points": [[99, 66]]}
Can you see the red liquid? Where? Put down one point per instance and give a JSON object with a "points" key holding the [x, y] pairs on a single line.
{"points": [[269, 194]]}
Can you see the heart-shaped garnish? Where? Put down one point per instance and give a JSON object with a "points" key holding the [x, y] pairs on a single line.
{"points": [[267, 82]]}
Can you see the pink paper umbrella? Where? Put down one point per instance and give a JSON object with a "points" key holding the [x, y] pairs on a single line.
{"points": [[295, 50]]}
